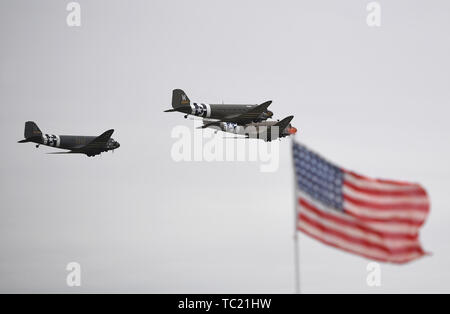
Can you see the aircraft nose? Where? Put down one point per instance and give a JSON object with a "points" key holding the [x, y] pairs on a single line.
{"points": [[269, 113], [292, 130], [117, 144]]}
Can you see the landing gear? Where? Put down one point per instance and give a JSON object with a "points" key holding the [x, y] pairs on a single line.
{"points": [[186, 116], [37, 146]]}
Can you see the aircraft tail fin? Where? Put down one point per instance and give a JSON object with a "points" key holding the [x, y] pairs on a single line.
{"points": [[179, 99], [31, 130]]}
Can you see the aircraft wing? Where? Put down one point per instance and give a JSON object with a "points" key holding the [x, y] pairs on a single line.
{"points": [[209, 124], [103, 138], [96, 146], [245, 118], [284, 123], [248, 116]]}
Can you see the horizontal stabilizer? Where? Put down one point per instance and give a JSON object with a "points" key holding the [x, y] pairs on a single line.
{"points": [[184, 109], [34, 139]]}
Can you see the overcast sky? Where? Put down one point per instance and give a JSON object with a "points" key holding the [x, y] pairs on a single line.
{"points": [[374, 100]]}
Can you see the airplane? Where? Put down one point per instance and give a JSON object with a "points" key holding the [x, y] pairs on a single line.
{"points": [[262, 130], [88, 145], [241, 114]]}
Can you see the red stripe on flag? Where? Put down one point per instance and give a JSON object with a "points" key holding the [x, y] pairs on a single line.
{"points": [[354, 224], [359, 241], [397, 261], [375, 192], [412, 222], [385, 181], [378, 206]]}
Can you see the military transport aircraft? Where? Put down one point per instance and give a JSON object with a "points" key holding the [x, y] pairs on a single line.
{"points": [[88, 145], [264, 130], [240, 114]]}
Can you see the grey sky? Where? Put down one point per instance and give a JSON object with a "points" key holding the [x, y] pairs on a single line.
{"points": [[372, 100]]}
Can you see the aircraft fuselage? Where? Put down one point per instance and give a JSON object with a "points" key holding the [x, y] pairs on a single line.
{"points": [[62, 141], [220, 111], [225, 112], [261, 130]]}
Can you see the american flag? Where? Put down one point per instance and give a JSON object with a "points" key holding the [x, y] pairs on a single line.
{"points": [[375, 218]]}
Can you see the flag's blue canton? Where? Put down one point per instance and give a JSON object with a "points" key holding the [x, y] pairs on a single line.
{"points": [[318, 178]]}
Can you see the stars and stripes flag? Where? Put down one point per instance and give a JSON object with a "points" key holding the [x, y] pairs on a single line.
{"points": [[375, 218]]}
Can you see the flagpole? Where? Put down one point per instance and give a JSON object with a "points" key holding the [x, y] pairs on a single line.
{"points": [[296, 246]]}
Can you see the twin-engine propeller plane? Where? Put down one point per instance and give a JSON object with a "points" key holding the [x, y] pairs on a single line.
{"points": [[76, 144], [265, 130], [241, 114]]}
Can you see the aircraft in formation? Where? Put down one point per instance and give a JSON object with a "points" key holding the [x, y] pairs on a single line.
{"points": [[76, 144], [248, 120]]}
